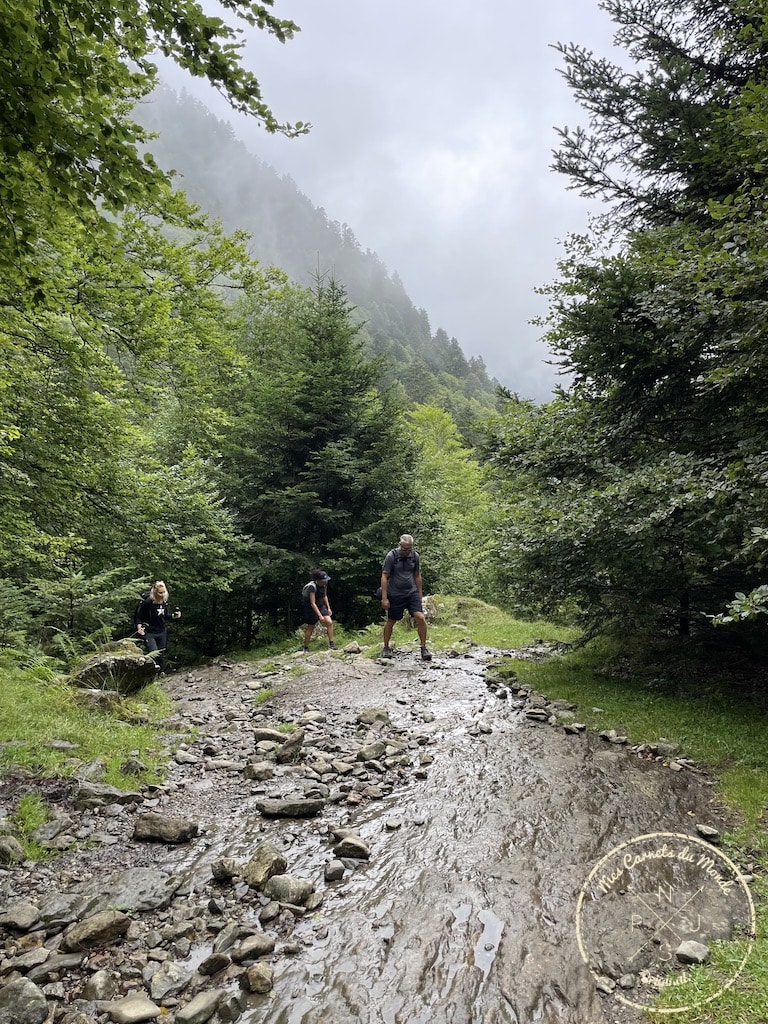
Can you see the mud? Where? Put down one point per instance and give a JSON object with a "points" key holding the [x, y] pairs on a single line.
{"points": [[466, 911]]}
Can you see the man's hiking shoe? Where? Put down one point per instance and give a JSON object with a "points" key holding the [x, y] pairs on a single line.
{"points": [[425, 654], [305, 649], [387, 652], [332, 647]]}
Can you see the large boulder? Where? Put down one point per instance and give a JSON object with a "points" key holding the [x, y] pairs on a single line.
{"points": [[120, 666]]}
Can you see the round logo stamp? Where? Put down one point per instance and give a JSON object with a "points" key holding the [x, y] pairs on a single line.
{"points": [[653, 906]]}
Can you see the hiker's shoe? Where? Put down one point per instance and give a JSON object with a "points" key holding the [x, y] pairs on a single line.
{"points": [[387, 652], [305, 649], [425, 655], [332, 647]]}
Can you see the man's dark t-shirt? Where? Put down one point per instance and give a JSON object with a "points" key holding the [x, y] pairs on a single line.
{"points": [[401, 569]]}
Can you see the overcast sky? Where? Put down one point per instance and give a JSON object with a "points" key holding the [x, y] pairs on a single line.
{"points": [[433, 130]]}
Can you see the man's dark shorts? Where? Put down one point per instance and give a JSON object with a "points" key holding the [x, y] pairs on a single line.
{"points": [[399, 605]]}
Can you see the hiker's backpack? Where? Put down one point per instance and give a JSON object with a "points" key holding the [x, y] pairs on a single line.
{"points": [[144, 597], [395, 552], [410, 558]]}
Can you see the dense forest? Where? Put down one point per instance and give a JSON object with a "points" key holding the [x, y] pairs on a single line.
{"points": [[172, 407]]}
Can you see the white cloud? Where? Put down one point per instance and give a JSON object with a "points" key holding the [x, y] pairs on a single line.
{"points": [[433, 126]]}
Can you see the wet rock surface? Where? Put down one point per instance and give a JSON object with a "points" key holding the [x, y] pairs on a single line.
{"points": [[392, 842]]}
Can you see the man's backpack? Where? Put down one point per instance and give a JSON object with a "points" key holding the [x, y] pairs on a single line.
{"points": [[410, 558], [396, 556]]}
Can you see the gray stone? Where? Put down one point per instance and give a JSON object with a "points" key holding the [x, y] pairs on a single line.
{"points": [[618, 739], [227, 937], [352, 847], [372, 751], [164, 828], [185, 757], [288, 889], [214, 963], [270, 912], [94, 794], [55, 964], [11, 850], [290, 748], [101, 986], [334, 871], [259, 770], [49, 830], [225, 869], [21, 916], [273, 735], [371, 715], [201, 1008], [231, 1006], [265, 862], [664, 748], [253, 946], [120, 666], [133, 1009], [712, 835], [32, 958], [313, 717], [22, 1002], [134, 890], [691, 952], [101, 929], [259, 978], [296, 806], [605, 985], [170, 979]]}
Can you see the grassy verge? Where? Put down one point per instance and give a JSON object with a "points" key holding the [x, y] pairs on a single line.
{"points": [[461, 622], [47, 731]]}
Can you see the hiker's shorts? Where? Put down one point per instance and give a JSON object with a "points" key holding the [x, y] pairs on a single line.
{"points": [[398, 606]]}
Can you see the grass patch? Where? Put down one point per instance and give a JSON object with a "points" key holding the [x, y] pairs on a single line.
{"points": [[463, 621], [488, 626], [30, 814], [37, 711]]}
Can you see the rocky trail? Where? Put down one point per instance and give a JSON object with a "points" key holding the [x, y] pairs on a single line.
{"points": [[374, 842]]}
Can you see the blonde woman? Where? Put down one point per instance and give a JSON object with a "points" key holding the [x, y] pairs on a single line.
{"points": [[152, 621]]}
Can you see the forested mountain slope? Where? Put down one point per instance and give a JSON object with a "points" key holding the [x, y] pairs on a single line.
{"points": [[219, 173]]}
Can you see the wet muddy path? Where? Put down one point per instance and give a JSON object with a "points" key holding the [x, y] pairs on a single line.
{"points": [[466, 910], [482, 831]]}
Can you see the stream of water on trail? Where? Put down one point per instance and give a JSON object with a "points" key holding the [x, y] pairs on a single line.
{"points": [[466, 913]]}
